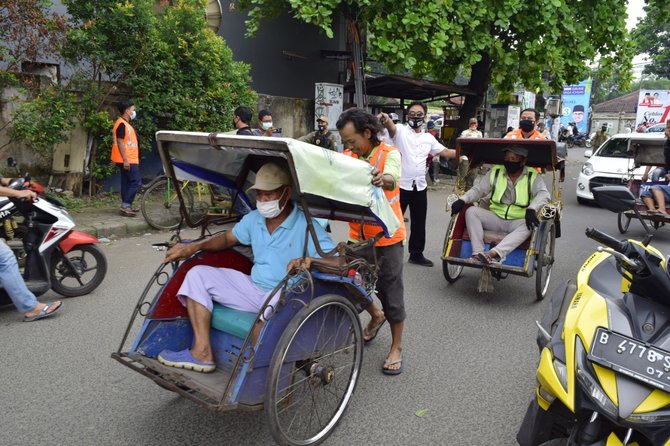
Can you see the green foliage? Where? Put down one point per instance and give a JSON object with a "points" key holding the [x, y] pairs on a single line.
{"points": [[190, 82], [511, 40], [652, 36], [178, 72], [45, 121]]}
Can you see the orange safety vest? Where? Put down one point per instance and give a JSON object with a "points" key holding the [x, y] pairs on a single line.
{"points": [[393, 197], [130, 143], [516, 134]]}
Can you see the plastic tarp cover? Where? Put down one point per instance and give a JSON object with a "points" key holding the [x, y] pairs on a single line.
{"points": [[342, 178]]}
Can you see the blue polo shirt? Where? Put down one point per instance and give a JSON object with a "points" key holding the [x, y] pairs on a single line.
{"points": [[272, 252]]}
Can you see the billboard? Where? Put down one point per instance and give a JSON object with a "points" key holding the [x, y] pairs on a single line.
{"points": [[653, 107], [576, 101]]}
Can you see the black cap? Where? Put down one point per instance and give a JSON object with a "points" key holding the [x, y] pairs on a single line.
{"points": [[578, 107]]}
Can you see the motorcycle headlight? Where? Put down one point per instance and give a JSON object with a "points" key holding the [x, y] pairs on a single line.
{"points": [[596, 393], [587, 169], [651, 417], [590, 385], [562, 373]]}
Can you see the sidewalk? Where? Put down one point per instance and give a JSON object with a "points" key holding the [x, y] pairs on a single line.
{"points": [[106, 222]]}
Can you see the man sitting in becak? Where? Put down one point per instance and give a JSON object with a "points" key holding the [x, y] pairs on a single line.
{"points": [[276, 233], [516, 194]]}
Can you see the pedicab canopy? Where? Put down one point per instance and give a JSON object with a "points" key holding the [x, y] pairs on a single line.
{"points": [[541, 153], [330, 185], [647, 149]]}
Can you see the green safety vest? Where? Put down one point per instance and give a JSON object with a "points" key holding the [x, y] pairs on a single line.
{"points": [[523, 189]]}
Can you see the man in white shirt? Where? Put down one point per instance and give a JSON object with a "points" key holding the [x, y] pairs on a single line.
{"points": [[415, 145]]}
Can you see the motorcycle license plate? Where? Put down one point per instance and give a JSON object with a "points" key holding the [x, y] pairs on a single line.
{"points": [[631, 357]]}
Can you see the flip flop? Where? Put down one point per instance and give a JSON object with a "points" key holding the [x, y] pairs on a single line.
{"points": [[372, 333], [44, 312], [390, 372]]}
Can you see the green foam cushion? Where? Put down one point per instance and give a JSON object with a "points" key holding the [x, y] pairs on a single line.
{"points": [[237, 323]]}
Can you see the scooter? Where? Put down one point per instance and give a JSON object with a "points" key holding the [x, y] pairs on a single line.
{"points": [[604, 370], [10, 229], [57, 257]]}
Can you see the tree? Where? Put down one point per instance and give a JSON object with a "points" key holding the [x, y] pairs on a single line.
{"points": [[505, 43], [652, 36], [30, 34], [178, 72]]}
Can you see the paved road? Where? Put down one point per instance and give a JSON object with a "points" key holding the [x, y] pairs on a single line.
{"points": [[469, 359]]}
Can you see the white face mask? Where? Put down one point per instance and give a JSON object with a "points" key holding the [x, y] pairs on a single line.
{"points": [[270, 209], [133, 115], [266, 125]]}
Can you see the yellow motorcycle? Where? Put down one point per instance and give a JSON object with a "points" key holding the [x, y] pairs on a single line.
{"points": [[604, 370]]}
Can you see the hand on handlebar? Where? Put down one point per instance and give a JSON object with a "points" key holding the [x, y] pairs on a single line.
{"points": [[180, 251], [26, 195], [457, 206], [300, 264], [531, 219]]}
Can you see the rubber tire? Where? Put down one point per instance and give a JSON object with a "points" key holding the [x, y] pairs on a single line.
{"points": [[171, 216], [588, 143], [283, 346], [623, 222], [570, 143], [548, 239], [98, 277], [456, 270], [453, 275]]}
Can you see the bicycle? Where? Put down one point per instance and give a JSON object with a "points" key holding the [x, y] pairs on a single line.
{"points": [[160, 202]]}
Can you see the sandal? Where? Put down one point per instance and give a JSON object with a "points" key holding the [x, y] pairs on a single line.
{"points": [[44, 312], [392, 372], [372, 334]]}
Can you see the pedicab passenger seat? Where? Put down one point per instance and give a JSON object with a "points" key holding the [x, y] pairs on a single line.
{"points": [[235, 322]]}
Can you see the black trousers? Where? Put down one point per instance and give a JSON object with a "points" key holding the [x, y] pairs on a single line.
{"points": [[417, 200]]}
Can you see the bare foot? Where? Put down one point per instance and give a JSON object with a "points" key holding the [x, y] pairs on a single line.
{"points": [[203, 355], [40, 306]]}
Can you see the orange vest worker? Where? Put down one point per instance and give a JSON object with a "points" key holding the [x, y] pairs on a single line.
{"points": [[130, 143], [378, 159]]}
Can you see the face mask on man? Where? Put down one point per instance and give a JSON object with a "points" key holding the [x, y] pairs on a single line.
{"points": [[322, 127], [526, 125], [266, 125], [271, 208], [513, 166], [133, 115], [415, 122]]}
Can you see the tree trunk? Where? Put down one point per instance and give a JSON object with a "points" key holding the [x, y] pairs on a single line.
{"points": [[480, 78]]}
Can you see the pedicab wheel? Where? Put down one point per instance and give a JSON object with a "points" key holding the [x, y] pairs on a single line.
{"points": [[314, 371], [545, 260], [79, 271], [451, 272], [623, 222]]}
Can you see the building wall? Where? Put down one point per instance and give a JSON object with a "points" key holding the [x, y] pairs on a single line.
{"points": [[285, 55], [616, 122]]}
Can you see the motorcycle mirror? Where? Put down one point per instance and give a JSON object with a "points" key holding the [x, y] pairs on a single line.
{"points": [[11, 162], [588, 153]]}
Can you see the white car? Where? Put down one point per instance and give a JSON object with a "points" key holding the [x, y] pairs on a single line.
{"points": [[611, 163]]}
